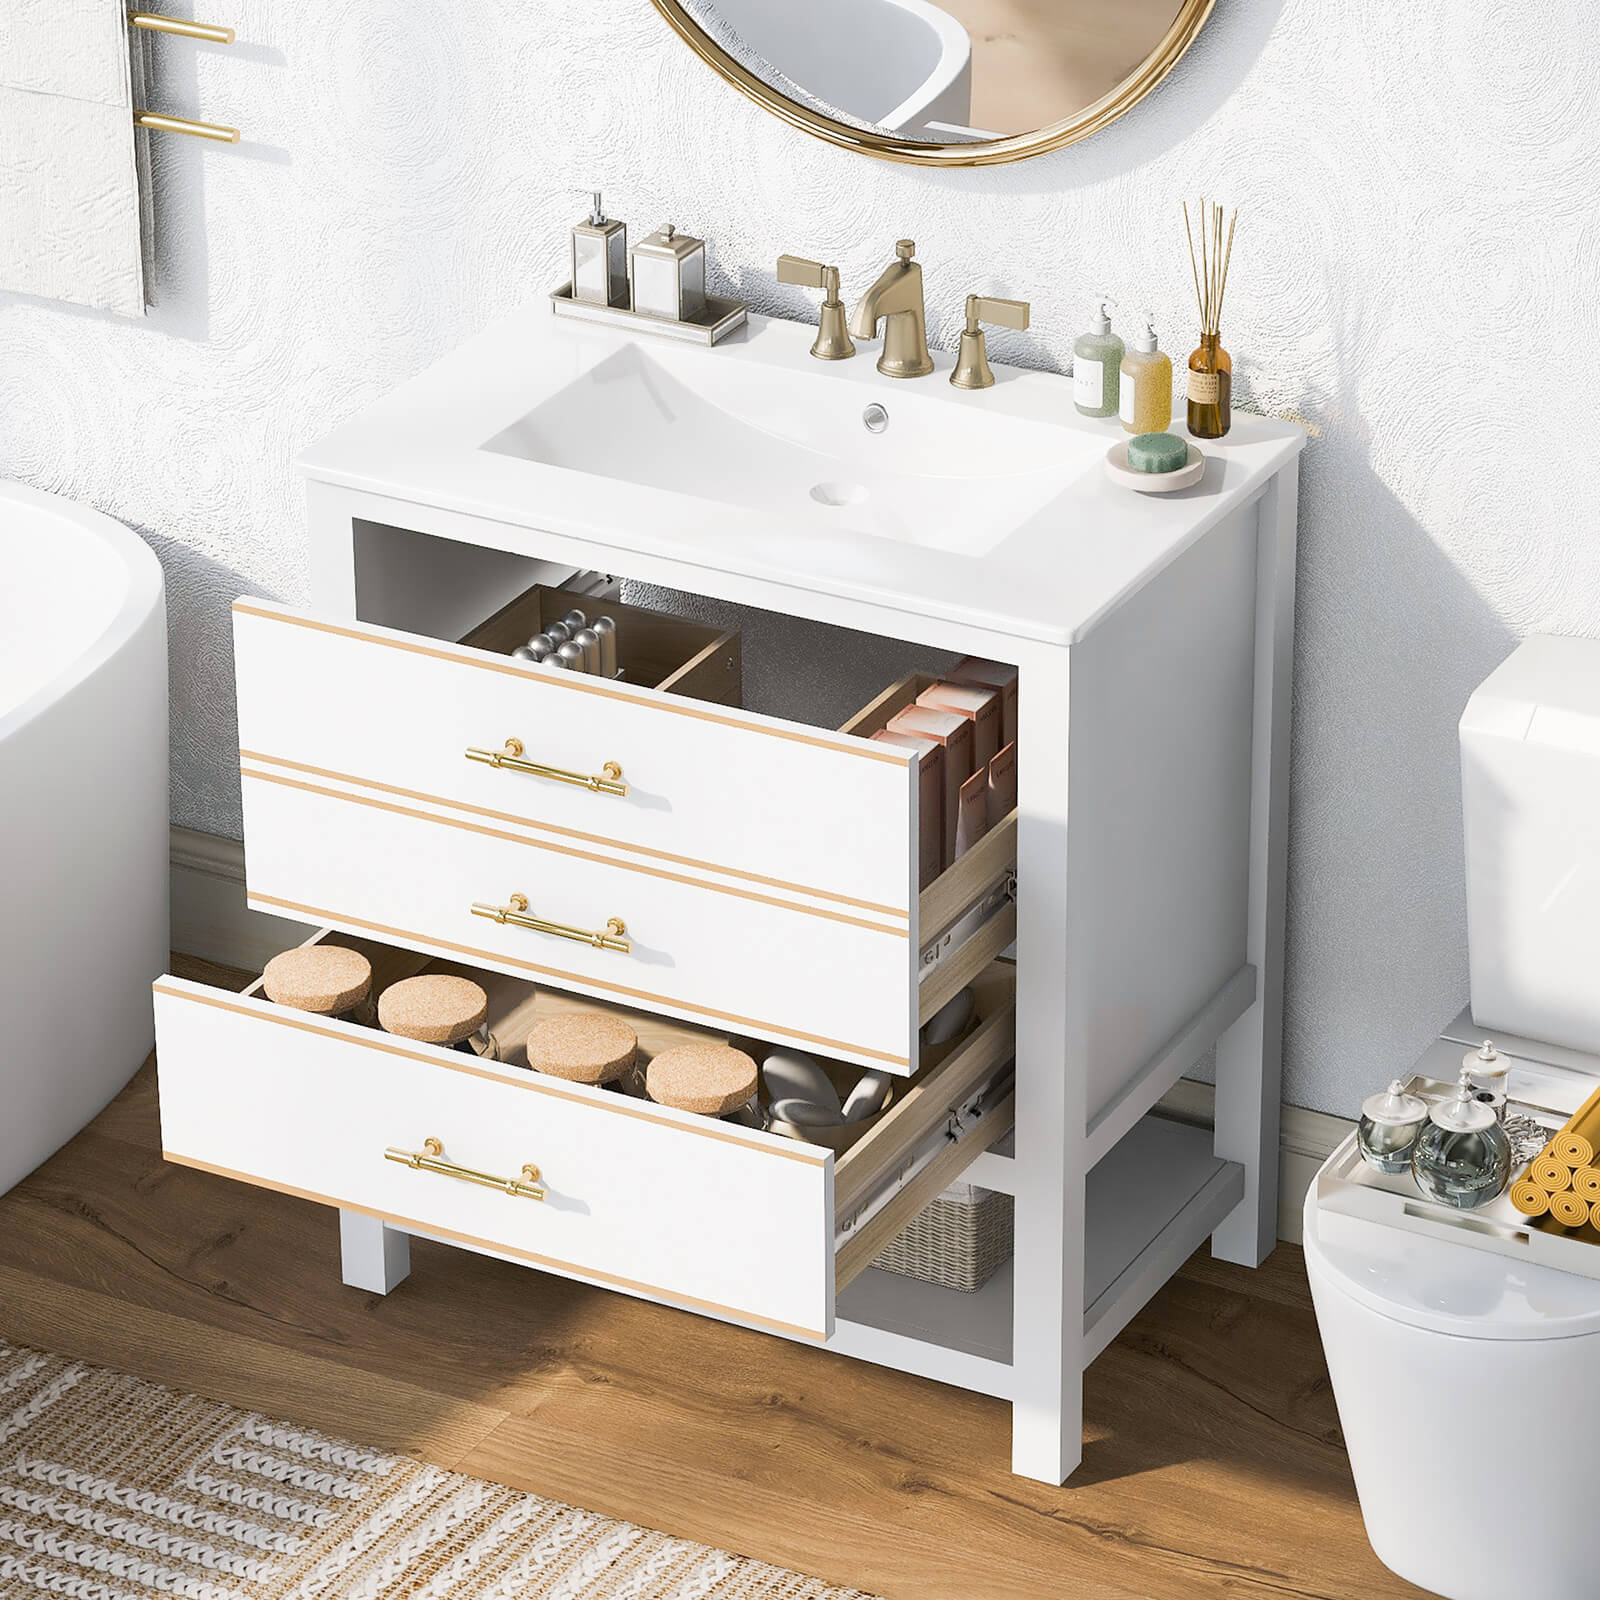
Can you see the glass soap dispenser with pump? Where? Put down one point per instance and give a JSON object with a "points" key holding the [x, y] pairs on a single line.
{"points": [[1097, 364], [1462, 1158], [1146, 401]]}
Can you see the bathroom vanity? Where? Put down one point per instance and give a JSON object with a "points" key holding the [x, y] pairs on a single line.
{"points": [[652, 844]]}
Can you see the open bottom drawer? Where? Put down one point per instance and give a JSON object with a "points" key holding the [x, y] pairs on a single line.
{"points": [[705, 1214]]}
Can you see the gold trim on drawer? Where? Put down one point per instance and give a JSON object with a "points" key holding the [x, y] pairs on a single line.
{"points": [[574, 682], [578, 855], [541, 826], [429, 1231], [453, 1061]]}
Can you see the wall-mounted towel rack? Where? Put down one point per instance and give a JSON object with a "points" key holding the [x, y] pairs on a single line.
{"points": [[184, 28], [210, 32], [196, 130]]}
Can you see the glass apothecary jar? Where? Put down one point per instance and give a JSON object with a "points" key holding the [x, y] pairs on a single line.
{"points": [[1389, 1125], [1462, 1157]]}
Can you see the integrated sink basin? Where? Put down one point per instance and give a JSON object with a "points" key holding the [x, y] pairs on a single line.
{"points": [[926, 467], [771, 472]]}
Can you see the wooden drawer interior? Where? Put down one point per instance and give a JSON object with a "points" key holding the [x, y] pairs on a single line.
{"points": [[903, 1158], [654, 650]]}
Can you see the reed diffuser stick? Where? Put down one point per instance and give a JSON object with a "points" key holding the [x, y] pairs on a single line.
{"points": [[1188, 233]]}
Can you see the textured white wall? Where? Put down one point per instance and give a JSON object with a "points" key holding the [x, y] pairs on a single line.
{"points": [[1414, 276]]}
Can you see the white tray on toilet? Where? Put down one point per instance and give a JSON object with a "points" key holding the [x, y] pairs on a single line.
{"points": [[1548, 1092]]}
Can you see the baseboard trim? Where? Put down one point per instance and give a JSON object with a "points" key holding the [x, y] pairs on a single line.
{"points": [[209, 916], [211, 920]]}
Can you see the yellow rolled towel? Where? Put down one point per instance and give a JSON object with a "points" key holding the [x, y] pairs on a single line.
{"points": [[1572, 1148], [1551, 1175], [1568, 1209], [1529, 1198]]}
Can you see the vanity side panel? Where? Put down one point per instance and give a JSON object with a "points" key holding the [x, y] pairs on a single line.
{"points": [[1162, 697]]}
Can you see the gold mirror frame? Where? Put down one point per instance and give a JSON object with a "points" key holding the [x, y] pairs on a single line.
{"points": [[1192, 15]]}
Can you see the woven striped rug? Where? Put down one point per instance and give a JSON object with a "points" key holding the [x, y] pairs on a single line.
{"points": [[116, 1489]]}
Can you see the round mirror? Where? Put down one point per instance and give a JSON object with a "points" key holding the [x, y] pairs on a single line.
{"points": [[943, 82]]}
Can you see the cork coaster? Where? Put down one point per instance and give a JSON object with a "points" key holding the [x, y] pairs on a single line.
{"points": [[436, 1008], [325, 978], [585, 1047], [709, 1078]]}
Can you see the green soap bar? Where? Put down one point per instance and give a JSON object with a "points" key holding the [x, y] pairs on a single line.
{"points": [[1157, 452]]}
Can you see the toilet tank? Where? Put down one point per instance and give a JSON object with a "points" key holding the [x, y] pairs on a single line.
{"points": [[1530, 797]]}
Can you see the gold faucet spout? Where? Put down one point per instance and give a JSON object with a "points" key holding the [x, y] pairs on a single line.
{"points": [[896, 301]]}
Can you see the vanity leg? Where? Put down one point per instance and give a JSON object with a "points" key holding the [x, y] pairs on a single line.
{"points": [[1047, 1337], [1250, 1053], [374, 1256]]}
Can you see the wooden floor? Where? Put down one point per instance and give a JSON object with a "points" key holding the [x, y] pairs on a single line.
{"points": [[1212, 1457]]}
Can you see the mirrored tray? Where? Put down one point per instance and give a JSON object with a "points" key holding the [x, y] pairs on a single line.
{"points": [[1548, 1095]]}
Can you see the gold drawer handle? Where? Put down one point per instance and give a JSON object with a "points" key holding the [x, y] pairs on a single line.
{"points": [[607, 781], [516, 913], [430, 1158]]}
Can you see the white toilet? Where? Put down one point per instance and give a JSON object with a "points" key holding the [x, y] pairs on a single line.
{"points": [[1469, 1395], [1468, 1382]]}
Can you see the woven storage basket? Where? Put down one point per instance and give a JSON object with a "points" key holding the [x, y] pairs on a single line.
{"points": [[958, 1242]]}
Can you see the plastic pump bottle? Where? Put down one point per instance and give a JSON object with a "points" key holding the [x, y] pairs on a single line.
{"points": [[1146, 401], [1097, 365]]}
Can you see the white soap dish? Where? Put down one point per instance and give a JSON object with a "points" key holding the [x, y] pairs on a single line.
{"points": [[1119, 472]]}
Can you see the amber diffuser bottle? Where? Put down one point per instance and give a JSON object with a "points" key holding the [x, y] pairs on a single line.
{"points": [[1210, 384], [1210, 389]]}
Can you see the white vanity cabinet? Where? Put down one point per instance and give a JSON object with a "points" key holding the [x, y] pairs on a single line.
{"points": [[763, 870]]}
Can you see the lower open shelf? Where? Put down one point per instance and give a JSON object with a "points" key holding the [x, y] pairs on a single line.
{"points": [[1152, 1200]]}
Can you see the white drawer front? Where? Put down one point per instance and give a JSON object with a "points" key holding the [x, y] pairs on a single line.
{"points": [[696, 1212], [789, 807], [806, 971]]}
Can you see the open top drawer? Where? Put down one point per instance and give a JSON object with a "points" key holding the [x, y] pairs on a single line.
{"points": [[698, 1212], [765, 870]]}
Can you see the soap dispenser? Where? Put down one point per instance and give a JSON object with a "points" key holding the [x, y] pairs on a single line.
{"points": [[600, 258], [1146, 399], [669, 276], [1097, 365]]}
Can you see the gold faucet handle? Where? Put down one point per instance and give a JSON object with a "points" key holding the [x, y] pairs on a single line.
{"points": [[809, 274], [833, 336], [1001, 313], [972, 369]]}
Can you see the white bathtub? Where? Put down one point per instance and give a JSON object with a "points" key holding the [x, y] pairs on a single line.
{"points": [[901, 65], [83, 816]]}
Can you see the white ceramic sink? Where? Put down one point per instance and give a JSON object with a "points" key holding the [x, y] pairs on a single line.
{"points": [[928, 468], [751, 461]]}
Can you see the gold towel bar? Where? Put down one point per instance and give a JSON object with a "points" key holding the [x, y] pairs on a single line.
{"points": [[196, 130], [607, 781], [516, 913], [210, 32], [430, 1158]]}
